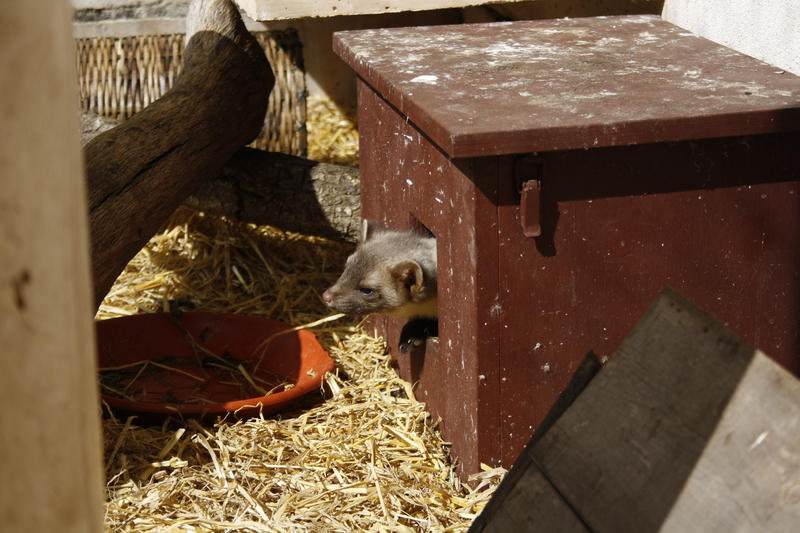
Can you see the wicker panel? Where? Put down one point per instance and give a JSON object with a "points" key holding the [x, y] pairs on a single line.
{"points": [[119, 76], [285, 127]]}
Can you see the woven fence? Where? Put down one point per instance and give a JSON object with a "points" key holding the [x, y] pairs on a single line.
{"points": [[119, 76]]}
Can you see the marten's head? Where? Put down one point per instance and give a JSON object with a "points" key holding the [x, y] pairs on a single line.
{"points": [[383, 275]]}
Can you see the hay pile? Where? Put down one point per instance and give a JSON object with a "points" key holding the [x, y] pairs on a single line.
{"points": [[364, 458], [332, 132]]}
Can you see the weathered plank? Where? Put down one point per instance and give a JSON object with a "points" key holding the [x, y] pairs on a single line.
{"points": [[748, 477], [687, 428], [534, 506], [51, 476], [295, 9], [526, 500]]}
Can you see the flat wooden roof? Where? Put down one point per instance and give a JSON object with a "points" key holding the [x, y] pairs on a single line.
{"points": [[528, 86]]}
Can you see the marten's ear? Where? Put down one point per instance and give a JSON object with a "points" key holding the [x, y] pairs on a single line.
{"points": [[409, 273], [369, 230]]}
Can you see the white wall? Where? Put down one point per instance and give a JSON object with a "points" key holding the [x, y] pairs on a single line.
{"points": [[765, 29]]}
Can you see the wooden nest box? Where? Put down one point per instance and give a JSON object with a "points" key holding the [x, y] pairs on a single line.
{"points": [[569, 170]]}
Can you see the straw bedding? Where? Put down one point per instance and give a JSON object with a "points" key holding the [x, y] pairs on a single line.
{"points": [[363, 455], [332, 131]]}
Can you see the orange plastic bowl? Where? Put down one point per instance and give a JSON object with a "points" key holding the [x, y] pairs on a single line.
{"points": [[206, 364]]}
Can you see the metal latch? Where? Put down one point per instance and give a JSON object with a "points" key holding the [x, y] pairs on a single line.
{"points": [[529, 176]]}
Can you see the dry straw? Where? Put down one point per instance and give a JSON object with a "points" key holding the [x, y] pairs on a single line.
{"points": [[365, 456], [332, 132]]}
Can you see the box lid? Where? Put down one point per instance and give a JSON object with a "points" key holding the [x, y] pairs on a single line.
{"points": [[528, 86]]}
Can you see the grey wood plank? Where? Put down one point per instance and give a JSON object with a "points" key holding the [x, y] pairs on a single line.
{"points": [[748, 477], [527, 502], [533, 506], [621, 455]]}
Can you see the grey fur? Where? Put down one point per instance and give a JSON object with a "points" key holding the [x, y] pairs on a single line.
{"points": [[398, 267]]}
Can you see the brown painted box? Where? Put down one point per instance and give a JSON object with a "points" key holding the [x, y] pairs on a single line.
{"points": [[570, 169]]}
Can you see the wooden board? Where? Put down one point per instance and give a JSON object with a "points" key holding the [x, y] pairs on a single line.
{"points": [[51, 473], [462, 389], [526, 501], [296, 9], [748, 476], [533, 505], [569, 83], [687, 428]]}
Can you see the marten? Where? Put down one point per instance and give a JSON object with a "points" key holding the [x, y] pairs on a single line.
{"points": [[391, 273]]}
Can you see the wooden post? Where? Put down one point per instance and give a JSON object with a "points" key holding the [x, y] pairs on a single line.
{"points": [[50, 465]]}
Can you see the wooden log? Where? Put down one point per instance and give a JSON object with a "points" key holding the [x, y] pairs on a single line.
{"points": [[51, 476], [287, 192], [93, 125], [140, 172], [267, 188]]}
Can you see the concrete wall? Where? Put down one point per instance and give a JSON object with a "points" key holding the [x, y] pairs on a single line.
{"points": [[765, 29]]}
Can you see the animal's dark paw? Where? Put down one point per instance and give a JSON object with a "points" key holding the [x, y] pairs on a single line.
{"points": [[416, 331]]}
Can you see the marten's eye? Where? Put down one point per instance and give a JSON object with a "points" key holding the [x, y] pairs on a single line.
{"points": [[366, 291]]}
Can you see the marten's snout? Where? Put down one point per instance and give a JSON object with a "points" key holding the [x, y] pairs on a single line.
{"points": [[327, 296]]}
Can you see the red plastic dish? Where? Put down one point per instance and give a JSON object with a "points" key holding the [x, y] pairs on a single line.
{"points": [[188, 380]]}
